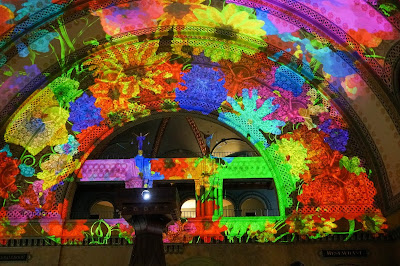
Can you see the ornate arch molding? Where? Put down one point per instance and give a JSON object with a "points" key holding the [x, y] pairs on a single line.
{"points": [[235, 111], [396, 80], [343, 105], [391, 72], [312, 19], [372, 73], [286, 57]]}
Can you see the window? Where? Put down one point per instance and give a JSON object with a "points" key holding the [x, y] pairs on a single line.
{"points": [[229, 208], [102, 210], [253, 207], [188, 209]]}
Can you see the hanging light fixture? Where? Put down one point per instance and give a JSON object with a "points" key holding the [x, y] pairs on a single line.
{"points": [[146, 194]]}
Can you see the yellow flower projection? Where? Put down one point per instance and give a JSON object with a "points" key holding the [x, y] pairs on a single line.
{"points": [[124, 71], [231, 18], [294, 154], [227, 25], [56, 168], [39, 123]]}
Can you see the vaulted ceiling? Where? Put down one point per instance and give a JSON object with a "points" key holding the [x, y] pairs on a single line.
{"points": [[88, 72]]}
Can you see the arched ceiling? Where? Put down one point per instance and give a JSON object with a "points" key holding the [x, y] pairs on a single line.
{"points": [[277, 72], [177, 136]]}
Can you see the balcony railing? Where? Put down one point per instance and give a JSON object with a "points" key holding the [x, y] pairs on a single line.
{"points": [[237, 213], [96, 215], [184, 214], [198, 154]]}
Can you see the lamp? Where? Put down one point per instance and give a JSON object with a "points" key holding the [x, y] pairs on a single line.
{"points": [[146, 194]]}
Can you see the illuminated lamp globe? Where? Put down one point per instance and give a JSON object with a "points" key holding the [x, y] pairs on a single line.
{"points": [[146, 194]]}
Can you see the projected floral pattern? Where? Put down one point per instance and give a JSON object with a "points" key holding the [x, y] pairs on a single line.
{"points": [[272, 81]]}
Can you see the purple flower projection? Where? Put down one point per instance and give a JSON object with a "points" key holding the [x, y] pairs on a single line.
{"points": [[337, 139], [205, 91], [69, 148], [16, 82], [289, 105], [326, 126], [83, 113]]}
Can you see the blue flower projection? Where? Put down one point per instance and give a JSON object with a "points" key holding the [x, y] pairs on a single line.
{"points": [[39, 41], [251, 118], [35, 125], [206, 85], [84, 114], [26, 170], [338, 137], [289, 80], [269, 27], [69, 148], [6, 149], [32, 6]]}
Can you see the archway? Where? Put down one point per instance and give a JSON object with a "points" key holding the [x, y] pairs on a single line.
{"points": [[102, 210], [278, 92], [188, 209], [253, 206], [229, 208]]}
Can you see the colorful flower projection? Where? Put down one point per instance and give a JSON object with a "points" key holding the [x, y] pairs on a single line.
{"points": [[271, 80]]}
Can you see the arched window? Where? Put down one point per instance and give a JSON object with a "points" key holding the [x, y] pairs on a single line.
{"points": [[253, 207], [229, 208], [188, 209], [102, 210]]}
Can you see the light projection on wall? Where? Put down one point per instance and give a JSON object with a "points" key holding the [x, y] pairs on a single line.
{"points": [[282, 82]]}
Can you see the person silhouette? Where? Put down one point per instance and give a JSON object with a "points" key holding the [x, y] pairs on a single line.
{"points": [[140, 140]]}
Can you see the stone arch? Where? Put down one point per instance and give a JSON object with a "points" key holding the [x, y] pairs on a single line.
{"points": [[197, 36], [254, 195], [227, 121], [104, 209], [191, 213]]}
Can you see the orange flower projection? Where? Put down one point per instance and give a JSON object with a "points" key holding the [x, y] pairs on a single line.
{"points": [[179, 12]]}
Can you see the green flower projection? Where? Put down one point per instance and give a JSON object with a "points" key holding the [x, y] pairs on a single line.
{"points": [[283, 84]]}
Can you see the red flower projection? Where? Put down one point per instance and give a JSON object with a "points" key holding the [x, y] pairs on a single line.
{"points": [[126, 231], [8, 170], [179, 232], [169, 167], [349, 198], [71, 231], [31, 200], [207, 229], [323, 159], [243, 74], [6, 16], [330, 190], [89, 136], [74, 231]]}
